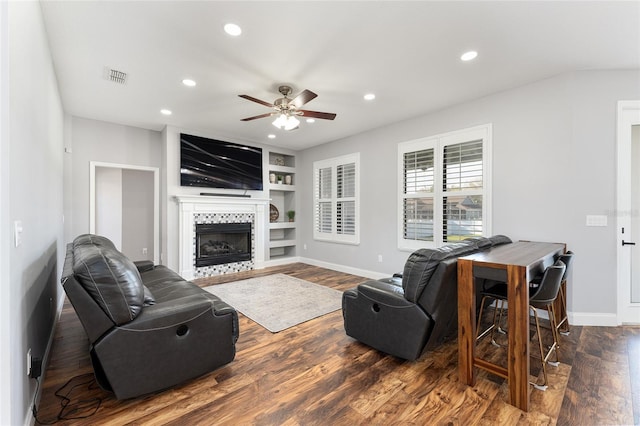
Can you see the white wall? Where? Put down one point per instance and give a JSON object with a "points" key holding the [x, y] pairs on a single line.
{"points": [[109, 190], [553, 164], [93, 140], [5, 236], [137, 214], [35, 150]]}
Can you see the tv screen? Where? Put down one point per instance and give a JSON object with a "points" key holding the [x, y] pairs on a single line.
{"points": [[211, 163]]}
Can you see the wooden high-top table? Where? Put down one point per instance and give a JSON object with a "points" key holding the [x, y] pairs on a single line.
{"points": [[516, 264]]}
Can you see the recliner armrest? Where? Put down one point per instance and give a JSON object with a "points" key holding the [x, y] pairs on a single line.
{"points": [[385, 293], [179, 311], [144, 265]]}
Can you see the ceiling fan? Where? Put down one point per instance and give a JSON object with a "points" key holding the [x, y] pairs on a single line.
{"points": [[286, 109]]}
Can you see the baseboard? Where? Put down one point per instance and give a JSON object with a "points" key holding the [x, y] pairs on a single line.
{"points": [[29, 419], [278, 262], [593, 319], [582, 318], [346, 269]]}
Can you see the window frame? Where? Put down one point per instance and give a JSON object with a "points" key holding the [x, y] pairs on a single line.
{"points": [[438, 144], [333, 164]]}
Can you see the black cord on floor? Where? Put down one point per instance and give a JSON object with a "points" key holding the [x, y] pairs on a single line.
{"points": [[70, 410]]}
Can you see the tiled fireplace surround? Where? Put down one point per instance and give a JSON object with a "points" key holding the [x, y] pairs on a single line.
{"points": [[213, 209]]}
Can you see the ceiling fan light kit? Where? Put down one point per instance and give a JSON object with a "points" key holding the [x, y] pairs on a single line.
{"points": [[286, 122], [286, 109]]}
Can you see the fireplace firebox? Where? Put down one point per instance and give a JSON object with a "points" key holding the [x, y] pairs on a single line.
{"points": [[219, 243]]}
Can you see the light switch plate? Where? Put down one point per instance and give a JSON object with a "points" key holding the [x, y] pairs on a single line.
{"points": [[596, 220], [17, 232]]}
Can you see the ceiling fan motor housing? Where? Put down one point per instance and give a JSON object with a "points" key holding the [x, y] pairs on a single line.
{"points": [[285, 90]]}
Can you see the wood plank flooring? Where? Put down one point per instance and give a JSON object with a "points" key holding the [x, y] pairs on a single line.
{"points": [[314, 374]]}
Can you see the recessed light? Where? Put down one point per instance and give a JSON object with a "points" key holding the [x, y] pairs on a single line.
{"points": [[188, 82], [369, 97], [310, 120], [165, 111], [232, 29], [271, 136], [467, 56]]}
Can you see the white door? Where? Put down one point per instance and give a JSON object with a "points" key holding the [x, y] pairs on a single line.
{"points": [[628, 212]]}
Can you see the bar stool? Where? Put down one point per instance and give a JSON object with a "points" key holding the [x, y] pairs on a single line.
{"points": [[543, 298], [563, 319], [567, 259], [497, 292]]}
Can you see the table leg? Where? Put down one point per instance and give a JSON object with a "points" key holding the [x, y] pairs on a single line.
{"points": [[466, 322], [518, 317]]}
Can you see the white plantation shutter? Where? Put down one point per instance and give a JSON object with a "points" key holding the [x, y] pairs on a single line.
{"points": [[444, 188], [418, 171], [462, 172], [418, 219], [418, 181], [324, 183], [336, 188], [323, 217], [462, 166], [346, 207]]}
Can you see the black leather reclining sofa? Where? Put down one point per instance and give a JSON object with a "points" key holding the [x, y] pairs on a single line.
{"points": [[148, 328], [416, 310]]}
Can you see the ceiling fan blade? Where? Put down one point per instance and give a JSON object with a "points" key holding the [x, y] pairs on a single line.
{"points": [[251, 98], [317, 114], [304, 97], [256, 117]]}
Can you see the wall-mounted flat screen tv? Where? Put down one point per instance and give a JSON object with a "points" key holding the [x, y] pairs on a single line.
{"points": [[210, 163]]}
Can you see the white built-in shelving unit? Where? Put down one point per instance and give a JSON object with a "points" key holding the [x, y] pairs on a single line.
{"points": [[282, 232]]}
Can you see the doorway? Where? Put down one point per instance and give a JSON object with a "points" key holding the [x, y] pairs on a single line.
{"points": [[124, 207], [628, 212]]}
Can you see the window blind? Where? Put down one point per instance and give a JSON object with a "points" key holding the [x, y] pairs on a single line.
{"points": [[345, 208], [418, 171], [442, 188], [462, 164], [336, 199], [418, 219]]}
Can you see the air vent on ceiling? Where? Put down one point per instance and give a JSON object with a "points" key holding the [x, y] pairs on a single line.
{"points": [[116, 76]]}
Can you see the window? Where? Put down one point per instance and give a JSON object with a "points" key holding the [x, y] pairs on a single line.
{"points": [[444, 188], [336, 199]]}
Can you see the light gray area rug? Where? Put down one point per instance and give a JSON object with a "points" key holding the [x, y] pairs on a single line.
{"points": [[279, 301]]}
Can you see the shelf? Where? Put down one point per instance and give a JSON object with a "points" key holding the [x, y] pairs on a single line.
{"points": [[287, 160], [282, 225], [282, 169], [282, 243], [281, 187]]}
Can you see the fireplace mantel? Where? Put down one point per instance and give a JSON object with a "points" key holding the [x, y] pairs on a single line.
{"points": [[191, 206]]}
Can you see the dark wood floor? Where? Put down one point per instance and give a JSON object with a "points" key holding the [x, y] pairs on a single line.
{"points": [[313, 374]]}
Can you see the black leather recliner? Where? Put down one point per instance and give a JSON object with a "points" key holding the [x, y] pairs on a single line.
{"points": [[148, 328], [408, 315]]}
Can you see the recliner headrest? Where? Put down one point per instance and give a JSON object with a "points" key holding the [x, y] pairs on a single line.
{"points": [[96, 240], [422, 263], [110, 278]]}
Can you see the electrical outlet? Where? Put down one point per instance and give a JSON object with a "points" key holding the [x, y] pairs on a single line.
{"points": [[144, 250], [29, 362], [379, 258], [36, 368]]}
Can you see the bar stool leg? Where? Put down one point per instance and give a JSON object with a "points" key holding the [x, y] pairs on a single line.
{"points": [[543, 386], [563, 311]]}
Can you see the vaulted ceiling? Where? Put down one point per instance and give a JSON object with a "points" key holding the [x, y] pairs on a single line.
{"points": [[405, 52]]}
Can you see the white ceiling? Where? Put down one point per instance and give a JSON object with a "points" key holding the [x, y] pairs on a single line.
{"points": [[406, 52]]}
